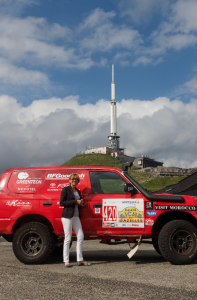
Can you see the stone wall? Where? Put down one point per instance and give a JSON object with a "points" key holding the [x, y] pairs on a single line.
{"points": [[168, 171]]}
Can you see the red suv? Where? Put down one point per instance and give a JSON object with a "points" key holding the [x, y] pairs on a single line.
{"points": [[115, 207]]}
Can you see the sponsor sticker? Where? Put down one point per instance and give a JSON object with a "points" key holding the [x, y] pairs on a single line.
{"points": [[62, 185], [97, 210], [58, 188], [131, 214], [107, 224], [29, 181], [60, 176], [23, 175], [151, 213], [176, 207], [149, 205], [17, 203], [123, 213], [129, 202], [149, 222], [114, 224], [26, 189]]}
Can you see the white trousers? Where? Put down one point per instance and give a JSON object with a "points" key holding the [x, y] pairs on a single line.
{"points": [[68, 224]]}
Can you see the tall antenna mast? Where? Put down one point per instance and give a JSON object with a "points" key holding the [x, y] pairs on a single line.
{"points": [[113, 105], [113, 138]]}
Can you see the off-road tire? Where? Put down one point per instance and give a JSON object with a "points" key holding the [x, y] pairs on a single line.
{"points": [[178, 242], [156, 246], [33, 243]]}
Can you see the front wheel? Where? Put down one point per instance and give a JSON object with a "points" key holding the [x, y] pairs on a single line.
{"points": [[33, 243], [155, 245], [178, 242]]}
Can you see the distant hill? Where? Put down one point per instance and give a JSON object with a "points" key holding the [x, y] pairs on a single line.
{"points": [[93, 159], [147, 180]]}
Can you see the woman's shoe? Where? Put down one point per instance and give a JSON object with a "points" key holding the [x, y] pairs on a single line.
{"points": [[83, 263], [68, 266]]}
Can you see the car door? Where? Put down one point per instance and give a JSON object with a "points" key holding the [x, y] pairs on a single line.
{"points": [[111, 210], [55, 180]]}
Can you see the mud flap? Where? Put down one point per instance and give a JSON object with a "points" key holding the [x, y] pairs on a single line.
{"points": [[134, 248]]}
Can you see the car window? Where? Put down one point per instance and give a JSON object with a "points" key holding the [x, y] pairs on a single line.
{"points": [[106, 183]]}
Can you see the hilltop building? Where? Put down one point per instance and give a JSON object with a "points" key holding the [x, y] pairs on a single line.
{"points": [[110, 151], [145, 161]]}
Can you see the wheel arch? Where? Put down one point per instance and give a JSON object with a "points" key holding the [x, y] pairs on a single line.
{"points": [[32, 218], [168, 216]]}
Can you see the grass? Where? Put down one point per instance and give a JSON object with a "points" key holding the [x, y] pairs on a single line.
{"points": [[93, 159], [158, 183], [147, 180]]}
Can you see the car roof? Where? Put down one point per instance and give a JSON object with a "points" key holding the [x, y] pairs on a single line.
{"points": [[63, 168]]}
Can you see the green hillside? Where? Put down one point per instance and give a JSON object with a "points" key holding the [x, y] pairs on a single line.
{"points": [[147, 180], [155, 183], [93, 159]]}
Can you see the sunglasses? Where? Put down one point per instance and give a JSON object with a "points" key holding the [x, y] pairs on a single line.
{"points": [[74, 179]]}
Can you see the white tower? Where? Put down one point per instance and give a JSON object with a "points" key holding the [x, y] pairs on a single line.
{"points": [[113, 105], [113, 138]]}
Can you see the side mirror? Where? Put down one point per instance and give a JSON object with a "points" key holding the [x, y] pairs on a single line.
{"points": [[127, 165], [128, 188]]}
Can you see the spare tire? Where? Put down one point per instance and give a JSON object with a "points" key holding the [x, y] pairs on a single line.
{"points": [[178, 242], [33, 243]]}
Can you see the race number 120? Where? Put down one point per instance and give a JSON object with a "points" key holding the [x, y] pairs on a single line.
{"points": [[110, 213]]}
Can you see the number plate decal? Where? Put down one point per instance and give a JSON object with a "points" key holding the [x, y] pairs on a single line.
{"points": [[123, 213]]}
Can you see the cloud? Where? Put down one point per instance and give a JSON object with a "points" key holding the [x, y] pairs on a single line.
{"points": [[192, 85], [184, 16], [142, 60], [29, 44], [14, 7], [180, 29], [142, 11], [189, 87], [36, 46], [33, 43], [103, 35], [96, 18], [49, 132], [177, 31], [17, 75], [31, 38]]}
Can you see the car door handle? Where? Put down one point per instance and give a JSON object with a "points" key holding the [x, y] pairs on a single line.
{"points": [[97, 205], [47, 203]]}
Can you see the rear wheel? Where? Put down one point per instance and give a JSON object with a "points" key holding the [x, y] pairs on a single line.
{"points": [[178, 242], [33, 243]]}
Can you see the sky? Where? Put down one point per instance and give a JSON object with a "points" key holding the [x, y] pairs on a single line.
{"points": [[55, 79]]}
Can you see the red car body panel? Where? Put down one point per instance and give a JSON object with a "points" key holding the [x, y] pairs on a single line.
{"points": [[27, 192]]}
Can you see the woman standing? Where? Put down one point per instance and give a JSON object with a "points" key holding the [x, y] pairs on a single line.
{"points": [[72, 201]]}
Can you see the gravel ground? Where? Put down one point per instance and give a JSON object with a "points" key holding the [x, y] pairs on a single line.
{"points": [[112, 275]]}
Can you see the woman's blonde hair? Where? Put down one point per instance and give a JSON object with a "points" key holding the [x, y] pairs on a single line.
{"points": [[74, 175]]}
